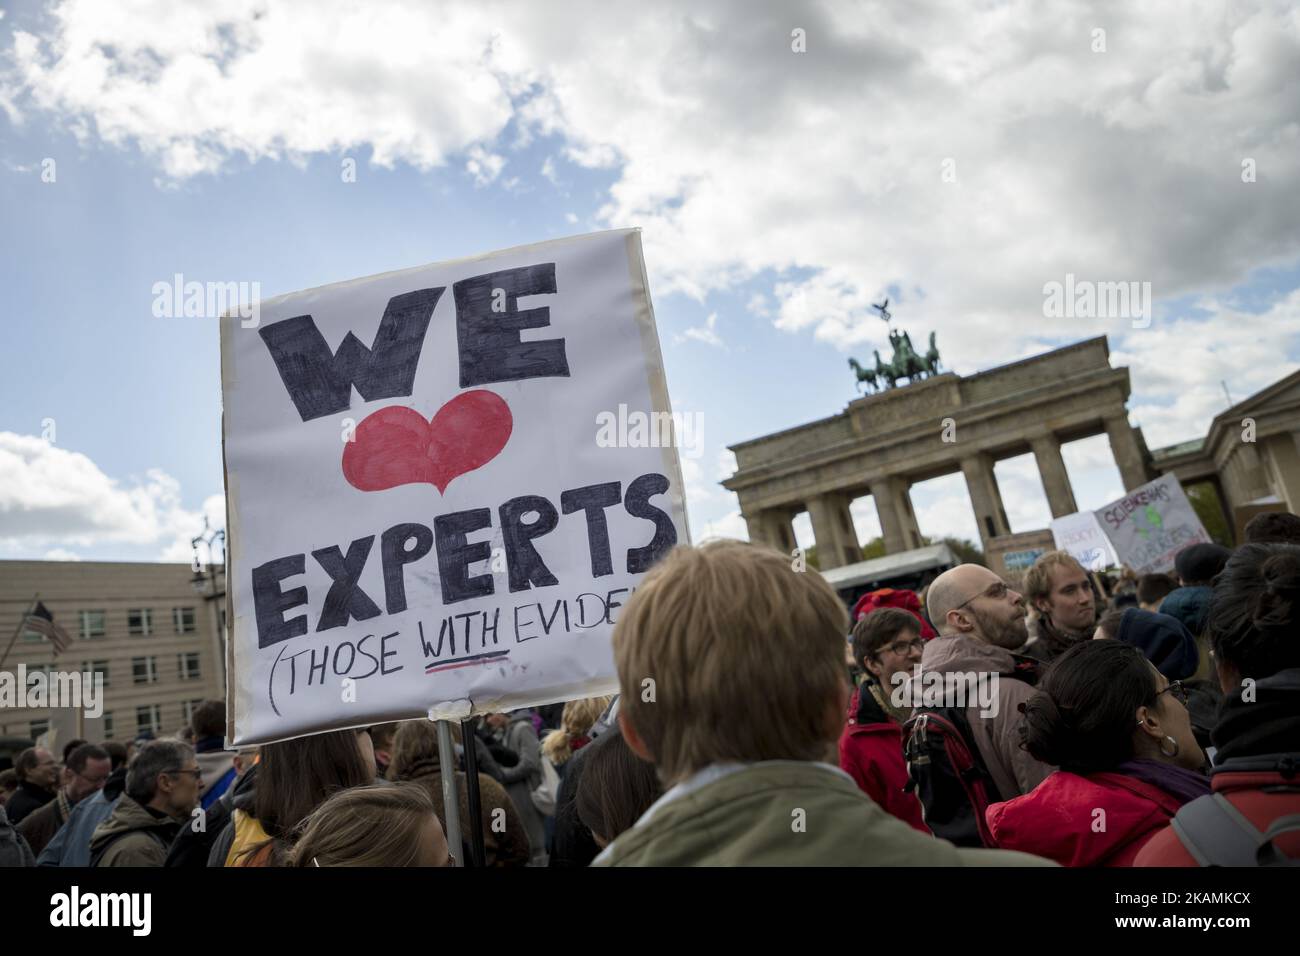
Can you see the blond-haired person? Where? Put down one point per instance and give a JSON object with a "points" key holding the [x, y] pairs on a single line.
{"points": [[574, 733], [731, 669], [1059, 590]]}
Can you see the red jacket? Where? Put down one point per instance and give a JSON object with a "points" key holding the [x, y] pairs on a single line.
{"points": [[1246, 792], [1058, 819], [871, 752]]}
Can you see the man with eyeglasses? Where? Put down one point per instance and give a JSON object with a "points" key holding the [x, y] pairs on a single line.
{"points": [[887, 646], [87, 768], [162, 789], [981, 621]]}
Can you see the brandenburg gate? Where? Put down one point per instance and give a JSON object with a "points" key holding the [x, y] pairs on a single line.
{"points": [[883, 443]]}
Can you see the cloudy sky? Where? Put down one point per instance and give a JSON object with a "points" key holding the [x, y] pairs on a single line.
{"points": [[956, 157]]}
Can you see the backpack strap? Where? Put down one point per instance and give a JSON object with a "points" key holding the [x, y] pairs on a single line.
{"points": [[1216, 833], [1268, 853]]}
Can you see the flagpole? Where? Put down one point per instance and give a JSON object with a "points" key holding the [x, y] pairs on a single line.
{"points": [[19, 629]]}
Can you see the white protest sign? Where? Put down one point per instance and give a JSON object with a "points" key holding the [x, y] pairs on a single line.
{"points": [[424, 514], [1151, 524], [1080, 534]]}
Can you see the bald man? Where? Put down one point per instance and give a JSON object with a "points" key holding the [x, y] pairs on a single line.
{"points": [[980, 621]]}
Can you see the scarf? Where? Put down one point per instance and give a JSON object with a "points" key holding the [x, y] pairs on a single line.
{"points": [[1185, 785], [64, 806], [874, 706], [1055, 641]]}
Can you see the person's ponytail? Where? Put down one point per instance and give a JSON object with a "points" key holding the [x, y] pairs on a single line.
{"points": [[1254, 617], [1082, 716]]}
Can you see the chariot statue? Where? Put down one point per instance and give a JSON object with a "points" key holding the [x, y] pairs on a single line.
{"points": [[906, 363]]}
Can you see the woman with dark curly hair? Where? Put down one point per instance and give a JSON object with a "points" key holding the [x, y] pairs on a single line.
{"points": [[1254, 631], [1120, 733]]}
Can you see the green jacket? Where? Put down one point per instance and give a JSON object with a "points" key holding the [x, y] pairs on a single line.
{"points": [[785, 813], [132, 836]]}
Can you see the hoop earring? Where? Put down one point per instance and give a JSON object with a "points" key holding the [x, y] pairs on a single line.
{"points": [[1172, 741]]}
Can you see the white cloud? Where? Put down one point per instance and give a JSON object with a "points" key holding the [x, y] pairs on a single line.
{"points": [[741, 159], [730, 525], [570, 218], [866, 519], [820, 173], [705, 333], [803, 532], [53, 500], [484, 166], [1180, 367], [194, 86], [60, 554], [1022, 493], [943, 508]]}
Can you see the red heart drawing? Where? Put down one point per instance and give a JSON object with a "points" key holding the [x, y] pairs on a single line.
{"points": [[396, 446]]}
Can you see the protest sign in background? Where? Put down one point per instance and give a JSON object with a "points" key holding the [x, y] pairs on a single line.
{"points": [[423, 518], [1080, 534], [1151, 524]]}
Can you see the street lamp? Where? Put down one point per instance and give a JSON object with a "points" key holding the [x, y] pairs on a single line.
{"points": [[207, 585]]}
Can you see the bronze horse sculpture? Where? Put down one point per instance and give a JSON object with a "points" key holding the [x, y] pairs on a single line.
{"points": [[907, 363], [864, 375]]}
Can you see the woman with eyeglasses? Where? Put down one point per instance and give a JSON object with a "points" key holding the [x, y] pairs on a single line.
{"points": [[1169, 645], [1253, 818], [887, 646], [1120, 733]]}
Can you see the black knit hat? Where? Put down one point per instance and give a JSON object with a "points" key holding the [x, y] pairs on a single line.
{"points": [[1199, 563], [1163, 640]]}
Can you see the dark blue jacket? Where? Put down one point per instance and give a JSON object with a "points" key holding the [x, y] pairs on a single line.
{"points": [[71, 845]]}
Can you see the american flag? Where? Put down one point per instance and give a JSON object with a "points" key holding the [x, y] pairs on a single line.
{"points": [[41, 621]]}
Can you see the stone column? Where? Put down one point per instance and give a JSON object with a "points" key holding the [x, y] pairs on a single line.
{"points": [[1284, 468], [837, 543], [897, 521], [771, 526], [1128, 456], [1056, 480], [907, 516], [985, 498], [780, 530]]}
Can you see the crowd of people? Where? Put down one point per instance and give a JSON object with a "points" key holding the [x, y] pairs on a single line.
{"points": [[1091, 720]]}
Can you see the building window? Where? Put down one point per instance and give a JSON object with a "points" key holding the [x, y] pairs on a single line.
{"points": [[144, 670], [32, 637], [183, 620], [148, 717], [39, 727], [108, 725], [96, 667], [189, 707], [92, 624], [187, 666], [139, 622]]}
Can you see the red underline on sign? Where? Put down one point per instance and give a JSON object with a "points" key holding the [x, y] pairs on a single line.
{"points": [[470, 661]]}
